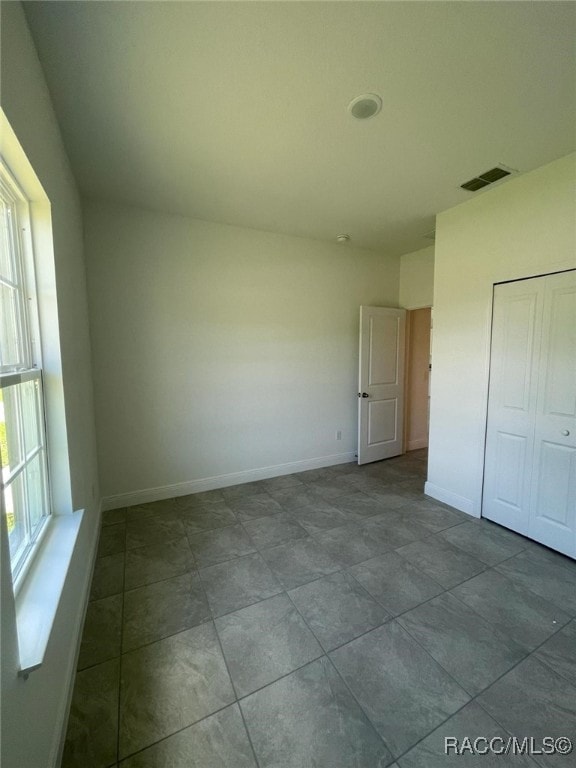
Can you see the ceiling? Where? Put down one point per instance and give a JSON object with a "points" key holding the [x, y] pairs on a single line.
{"points": [[236, 112]]}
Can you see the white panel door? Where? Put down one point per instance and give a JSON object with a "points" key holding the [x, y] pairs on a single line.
{"points": [[516, 329], [553, 491], [530, 465], [381, 383]]}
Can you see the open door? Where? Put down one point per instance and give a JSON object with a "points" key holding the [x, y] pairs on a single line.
{"points": [[381, 383]]}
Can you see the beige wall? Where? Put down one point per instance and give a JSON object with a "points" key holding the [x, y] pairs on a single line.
{"points": [[220, 350], [417, 279], [34, 711], [525, 227]]}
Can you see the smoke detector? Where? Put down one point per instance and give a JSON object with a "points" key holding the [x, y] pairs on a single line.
{"points": [[365, 106]]}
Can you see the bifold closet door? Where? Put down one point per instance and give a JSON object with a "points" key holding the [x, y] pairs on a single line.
{"points": [[530, 462]]}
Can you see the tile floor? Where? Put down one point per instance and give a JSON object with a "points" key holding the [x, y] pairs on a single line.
{"points": [[335, 618]]}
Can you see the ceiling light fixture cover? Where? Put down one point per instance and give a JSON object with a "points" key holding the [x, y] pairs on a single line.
{"points": [[365, 106], [342, 238]]}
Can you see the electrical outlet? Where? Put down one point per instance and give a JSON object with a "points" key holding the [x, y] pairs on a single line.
{"points": [[339, 435]]}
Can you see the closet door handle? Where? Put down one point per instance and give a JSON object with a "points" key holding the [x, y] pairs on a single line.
{"points": [[565, 432]]}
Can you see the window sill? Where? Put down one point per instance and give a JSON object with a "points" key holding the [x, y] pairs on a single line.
{"points": [[39, 595]]}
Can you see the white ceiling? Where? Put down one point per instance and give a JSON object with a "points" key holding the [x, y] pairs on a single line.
{"points": [[237, 111]]}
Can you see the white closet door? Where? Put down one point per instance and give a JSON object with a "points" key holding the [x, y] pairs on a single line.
{"points": [[530, 465], [516, 329], [553, 491]]}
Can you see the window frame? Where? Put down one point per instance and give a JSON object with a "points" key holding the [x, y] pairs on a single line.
{"points": [[28, 367]]}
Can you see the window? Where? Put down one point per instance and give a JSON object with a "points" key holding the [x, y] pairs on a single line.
{"points": [[22, 430]]}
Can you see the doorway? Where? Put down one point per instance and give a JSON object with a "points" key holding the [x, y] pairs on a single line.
{"points": [[418, 368]]}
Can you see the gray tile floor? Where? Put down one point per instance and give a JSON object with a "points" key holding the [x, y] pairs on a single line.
{"points": [[336, 618]]}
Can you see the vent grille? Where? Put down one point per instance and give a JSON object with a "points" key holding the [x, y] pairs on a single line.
{"points": [[484, 179], [494, 174]]}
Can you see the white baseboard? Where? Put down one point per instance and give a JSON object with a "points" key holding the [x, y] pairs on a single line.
{"points": [[414, 445], [450, 498], [222, 481], [57, 750]]}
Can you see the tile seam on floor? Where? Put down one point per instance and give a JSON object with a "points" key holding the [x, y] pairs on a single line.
{"points": [[444, 588], [229, 560], [488, 565], [433, 730], [237, 700], [428, 600], [174, 733], [345, 569], [195, 722], [514, 584], [299, 612], [460, 684], [235, 610], [140, 546], [476, 696], [284, 541], [388, 621], [159, 581], [366, 715], [165, 637], [512, 669], [570, 612], [329, 661], [119, 717], [393, 617]]}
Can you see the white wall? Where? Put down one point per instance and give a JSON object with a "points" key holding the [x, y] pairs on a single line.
{"points": [[33, 711], [417, 279], [525, 227], [221, 350]]}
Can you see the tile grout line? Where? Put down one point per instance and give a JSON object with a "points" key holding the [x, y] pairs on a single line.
{"points": [[237, 700], [342, 569], [474, 699], [409, 477], [351, 692], [285, 590], [119, 721], [179, 730]]}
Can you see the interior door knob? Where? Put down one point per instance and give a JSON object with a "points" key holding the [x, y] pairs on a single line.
{"points": [[565, 432], [365, 394]]}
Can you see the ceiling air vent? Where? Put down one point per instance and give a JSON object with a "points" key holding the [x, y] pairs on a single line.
{"points": [[486, 178]]}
